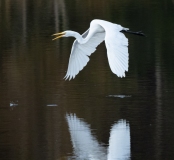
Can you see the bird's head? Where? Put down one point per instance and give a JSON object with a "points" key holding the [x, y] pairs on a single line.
{"points": [[63, 34]]}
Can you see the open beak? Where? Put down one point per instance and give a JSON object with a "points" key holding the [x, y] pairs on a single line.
{"points": [[58, 35]]}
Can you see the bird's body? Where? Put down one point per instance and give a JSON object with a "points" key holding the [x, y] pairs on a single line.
{"points": [[85, 44]]}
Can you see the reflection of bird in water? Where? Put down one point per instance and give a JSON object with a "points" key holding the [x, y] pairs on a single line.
{"points": [[85, 45], [86, 147]]}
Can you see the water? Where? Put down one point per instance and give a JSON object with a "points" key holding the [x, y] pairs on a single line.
{"points": [[35, 100]]}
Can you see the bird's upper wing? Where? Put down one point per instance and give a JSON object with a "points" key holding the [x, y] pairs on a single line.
{"points": [[119, 142], [80, 52], [117, 51]]}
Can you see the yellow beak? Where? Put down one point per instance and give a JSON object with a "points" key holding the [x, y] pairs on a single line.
{"points": [[58, 35]]}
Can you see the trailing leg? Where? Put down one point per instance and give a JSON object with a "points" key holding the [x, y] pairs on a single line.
{"points": [[140, 33]]}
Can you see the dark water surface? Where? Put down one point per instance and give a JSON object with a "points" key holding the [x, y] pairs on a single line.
{"points": [[94, 116]]}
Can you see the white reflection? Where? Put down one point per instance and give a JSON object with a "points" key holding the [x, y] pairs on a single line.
{"points": [[119, 96], [13, 104], [119, 141], [86, 146], [52, 105]]}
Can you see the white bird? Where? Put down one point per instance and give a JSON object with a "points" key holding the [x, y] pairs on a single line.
{"points": [[85, 44], [86, 146]]}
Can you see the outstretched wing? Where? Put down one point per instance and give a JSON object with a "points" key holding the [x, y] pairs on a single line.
{"points": [[80, 52], [117, 51]]}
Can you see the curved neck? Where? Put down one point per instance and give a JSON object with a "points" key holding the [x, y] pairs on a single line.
{"points": [[78, 37]]}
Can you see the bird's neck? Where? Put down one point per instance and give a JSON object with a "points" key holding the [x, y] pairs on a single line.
{"points": [[79, 37]]}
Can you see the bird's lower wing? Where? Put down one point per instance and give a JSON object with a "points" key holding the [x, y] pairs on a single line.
{"points": [[80, 52], [119, 142], [117, 51]]}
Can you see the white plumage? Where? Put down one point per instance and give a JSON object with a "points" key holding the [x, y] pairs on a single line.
{"points": [[85, 45]]}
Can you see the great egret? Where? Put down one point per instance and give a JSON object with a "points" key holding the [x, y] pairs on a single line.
{"points": [[85, 45]]}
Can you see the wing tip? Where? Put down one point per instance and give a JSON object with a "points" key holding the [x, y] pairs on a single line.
{"points": [[121, 75], [69, 77]]}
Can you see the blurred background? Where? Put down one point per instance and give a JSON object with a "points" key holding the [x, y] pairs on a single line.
{"points": [[34, 97]]}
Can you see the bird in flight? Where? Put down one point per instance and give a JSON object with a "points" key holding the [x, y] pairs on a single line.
{"points": [[85, 44]]}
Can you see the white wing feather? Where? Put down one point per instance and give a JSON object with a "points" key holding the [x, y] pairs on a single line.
{"points": [[117, 51], [117, 47], [80, 52]]}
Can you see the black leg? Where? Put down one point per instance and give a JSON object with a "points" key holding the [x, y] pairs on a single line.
{"points": [[140, 33]]}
